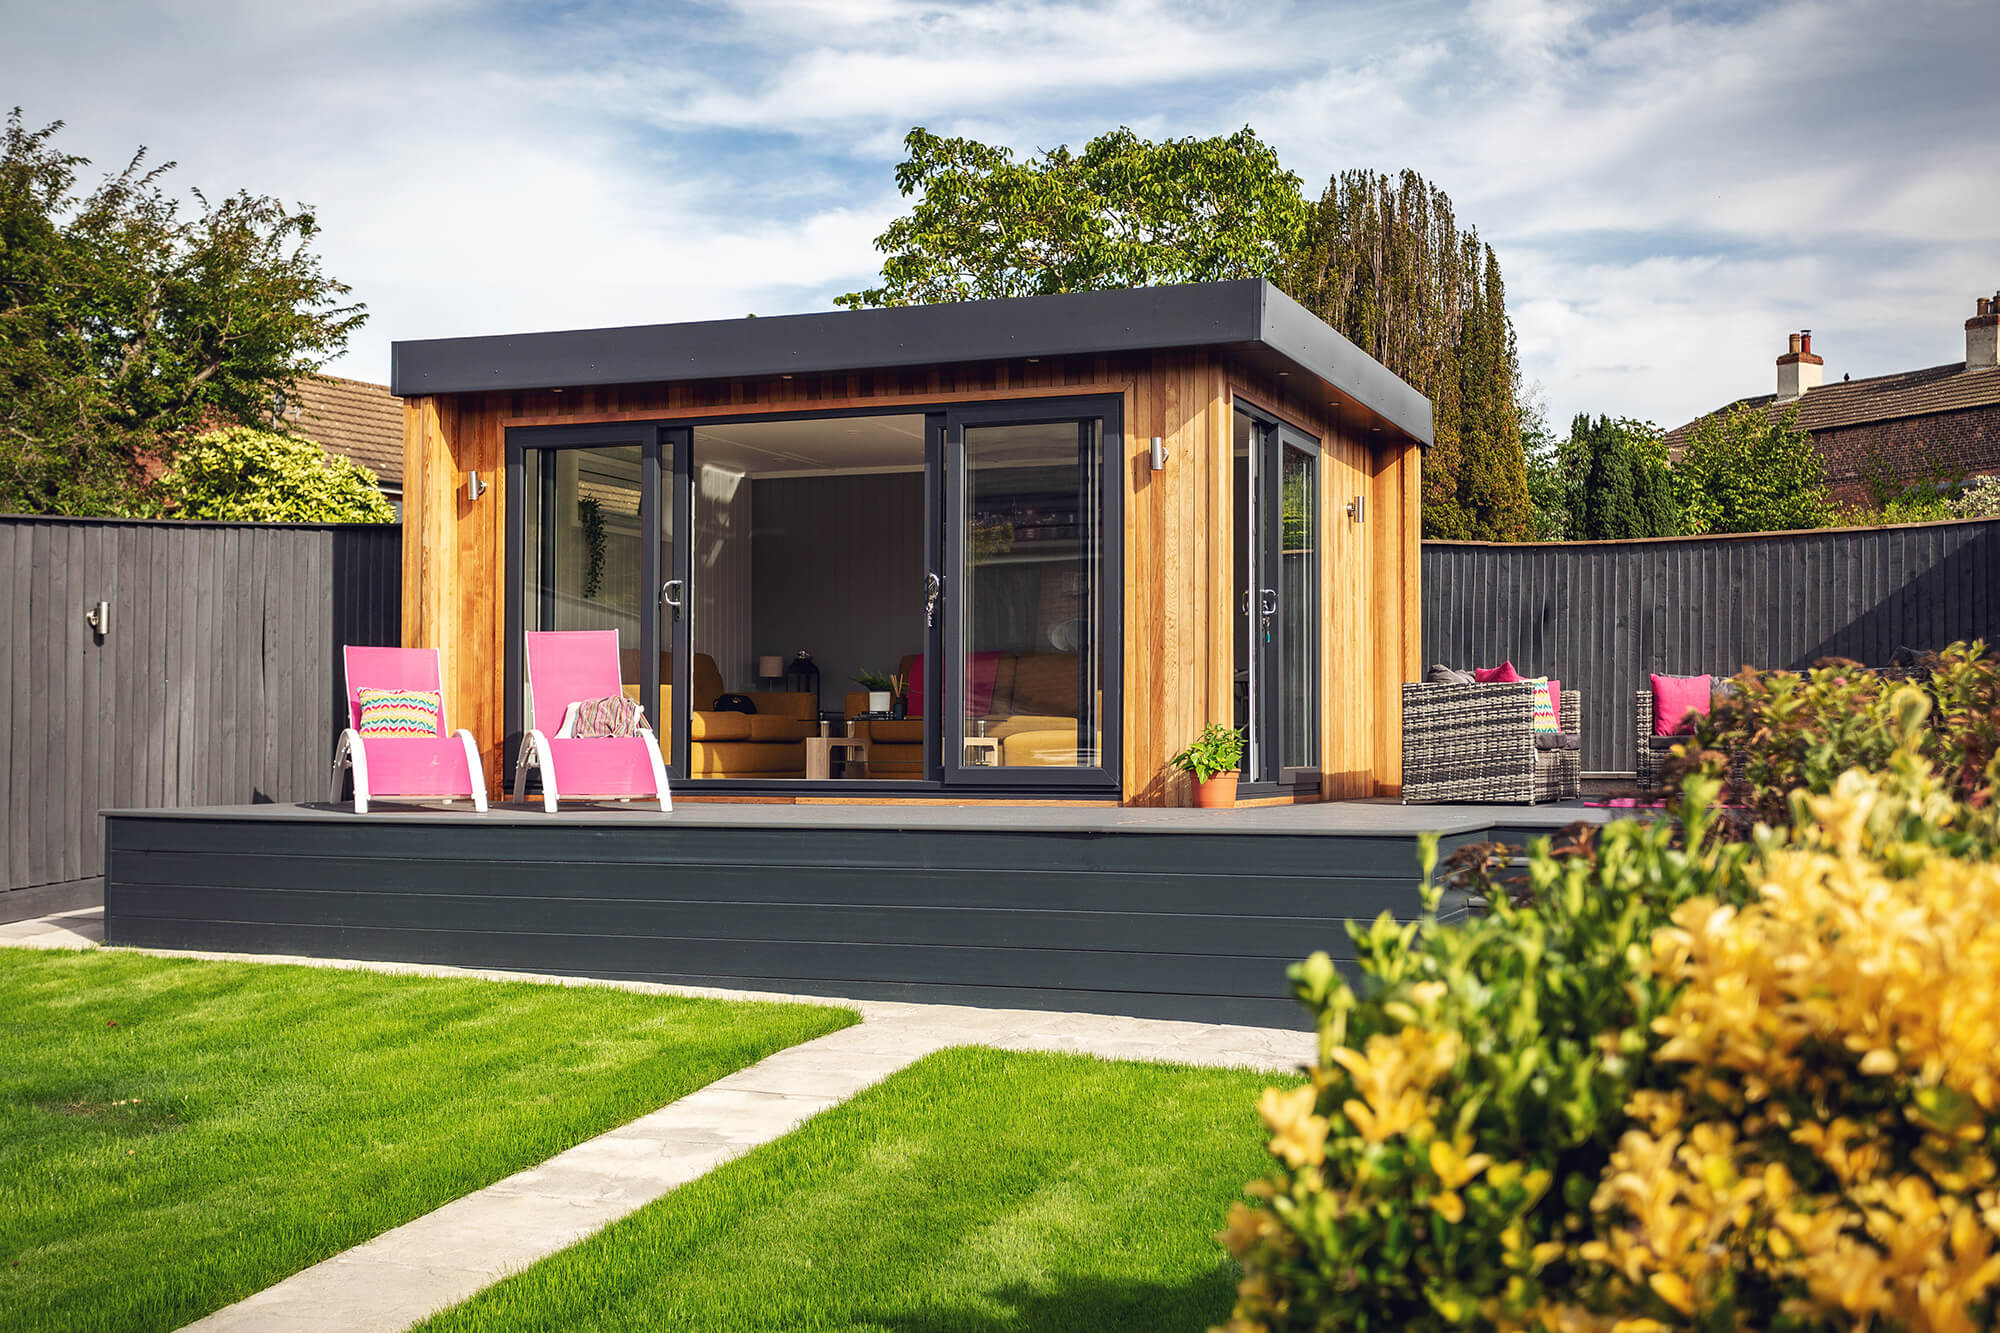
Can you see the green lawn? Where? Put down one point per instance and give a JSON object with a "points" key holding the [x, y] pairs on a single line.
{"points": [[976, 1191], [175, 1135]]}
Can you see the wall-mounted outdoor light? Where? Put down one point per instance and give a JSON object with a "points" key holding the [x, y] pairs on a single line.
{"points": [[1159, 455], [474, 487], [1357, 509], [99, 619]]}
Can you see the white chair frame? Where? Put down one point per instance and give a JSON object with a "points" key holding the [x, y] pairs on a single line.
{"points": [[535, 754], [349, 753]]}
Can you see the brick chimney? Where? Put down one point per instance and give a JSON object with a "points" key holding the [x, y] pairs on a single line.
{"points": [[1982, 335], [1799, 369]]}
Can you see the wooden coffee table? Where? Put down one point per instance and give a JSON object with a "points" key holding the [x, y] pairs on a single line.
{"points": [[819, 755]]}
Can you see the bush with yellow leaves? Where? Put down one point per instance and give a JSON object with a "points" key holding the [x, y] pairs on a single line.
{"points": [[1690, 1084]]}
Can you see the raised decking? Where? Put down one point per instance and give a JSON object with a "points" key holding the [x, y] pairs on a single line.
{"points": [[1150, 912]]}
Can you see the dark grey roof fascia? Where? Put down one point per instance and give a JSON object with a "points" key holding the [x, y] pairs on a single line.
{"points": [[1306, 340], [1249, 313]]}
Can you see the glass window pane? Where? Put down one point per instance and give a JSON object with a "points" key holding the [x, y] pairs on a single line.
{"points": [[583, 551], [1243, 545], [1298, 602], [1033, 545], [809, 538]]}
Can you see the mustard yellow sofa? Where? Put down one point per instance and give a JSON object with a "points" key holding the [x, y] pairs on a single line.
{"points": [[1030, 710], [769, 743]]}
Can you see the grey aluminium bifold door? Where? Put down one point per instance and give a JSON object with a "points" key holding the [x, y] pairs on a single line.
{"points": [[592, 513], [1031, 595], [1278, 613]]}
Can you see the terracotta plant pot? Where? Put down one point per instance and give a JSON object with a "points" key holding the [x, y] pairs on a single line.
{"points": [[1218, 793]]}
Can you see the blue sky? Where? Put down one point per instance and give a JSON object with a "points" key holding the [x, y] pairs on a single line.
{"points": [[1671, 189]]}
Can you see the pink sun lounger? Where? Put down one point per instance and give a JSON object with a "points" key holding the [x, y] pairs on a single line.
{"points": [[428, 768], [566, 668]]}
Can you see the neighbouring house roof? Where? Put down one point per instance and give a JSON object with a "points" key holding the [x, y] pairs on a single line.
{"points": [[354, 419], [1910, 393], [1251, 317]]}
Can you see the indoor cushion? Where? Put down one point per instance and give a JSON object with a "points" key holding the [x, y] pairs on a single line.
{"points": [[400, 713], [764, 727], [1677, 701], [606, 717], [1504, 674], [1043, 683], [707, 726]]}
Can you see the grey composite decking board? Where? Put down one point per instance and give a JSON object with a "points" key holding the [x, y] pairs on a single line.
{"points": [[1250, 315], [1150, 913], [215, 684], [1603, 616]]}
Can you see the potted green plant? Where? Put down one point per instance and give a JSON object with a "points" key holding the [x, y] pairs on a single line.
{"points": [[881, 689], [1215, 759]]}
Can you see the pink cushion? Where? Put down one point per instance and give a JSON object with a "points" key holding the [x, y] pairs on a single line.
{"points": [[980, 670], [1678, 700], [1504, 674], [421, 766]]}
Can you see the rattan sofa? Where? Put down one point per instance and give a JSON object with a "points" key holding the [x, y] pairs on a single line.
{"points": [[1476, 743]]}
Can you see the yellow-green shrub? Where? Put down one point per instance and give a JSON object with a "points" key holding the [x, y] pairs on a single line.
{"points": [[1746, 1086]]}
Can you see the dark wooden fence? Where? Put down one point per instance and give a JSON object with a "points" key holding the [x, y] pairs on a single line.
{"points": [[1603, 615], [217, 680]]}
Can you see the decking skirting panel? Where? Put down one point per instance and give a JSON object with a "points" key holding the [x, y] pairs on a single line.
{"points": [[1191, 925]]}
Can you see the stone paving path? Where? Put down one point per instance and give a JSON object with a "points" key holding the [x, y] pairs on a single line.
{"points": [[447, 1255]]}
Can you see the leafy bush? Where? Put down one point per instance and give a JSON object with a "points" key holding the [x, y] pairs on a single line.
{"points": [[1980, 499], [1789, 731], [1744, 471], [1684, 1083], [253, 476]]}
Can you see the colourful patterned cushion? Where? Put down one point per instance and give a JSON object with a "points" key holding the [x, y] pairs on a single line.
{"points": [[400, 713], [1547, 716], [616, 716]]}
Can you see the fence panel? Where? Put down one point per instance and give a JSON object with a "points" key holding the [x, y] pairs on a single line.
{"points": [[1603, 615], [218, 682]]}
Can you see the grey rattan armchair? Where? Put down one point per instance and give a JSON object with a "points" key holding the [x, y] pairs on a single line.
{"points": [[1476, 743], [1651, 752]]}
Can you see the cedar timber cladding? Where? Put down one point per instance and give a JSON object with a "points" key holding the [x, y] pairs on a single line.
{"points": [[1178, 563]]}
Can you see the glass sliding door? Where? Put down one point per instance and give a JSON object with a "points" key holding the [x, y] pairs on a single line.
{"points": [[1030, 596], [811, 544], [1276, 542], [589, 537]]}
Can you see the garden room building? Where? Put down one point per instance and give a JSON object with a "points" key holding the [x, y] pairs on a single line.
{"points": [[1067, 531]]}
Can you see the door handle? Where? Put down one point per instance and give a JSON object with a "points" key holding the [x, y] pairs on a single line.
{"points": [[670, 593], [933, 594], [1269, 603]]}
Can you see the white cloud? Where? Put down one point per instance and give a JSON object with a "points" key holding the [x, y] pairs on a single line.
{"points": [[1670, 189]]}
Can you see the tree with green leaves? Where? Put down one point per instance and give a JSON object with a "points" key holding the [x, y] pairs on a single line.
{"points": [[127, 327], [244, 475], [1745, 471], [1384, 260], [1622, 484], [1125, 212]]}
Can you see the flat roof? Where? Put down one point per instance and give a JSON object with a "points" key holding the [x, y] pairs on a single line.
{"points": [[1251, 317]]}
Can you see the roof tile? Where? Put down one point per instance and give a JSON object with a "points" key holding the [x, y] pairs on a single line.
{"points": [[354, 419]]}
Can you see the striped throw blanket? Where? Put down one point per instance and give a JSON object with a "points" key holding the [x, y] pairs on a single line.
{"points": [[617, 716]]}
